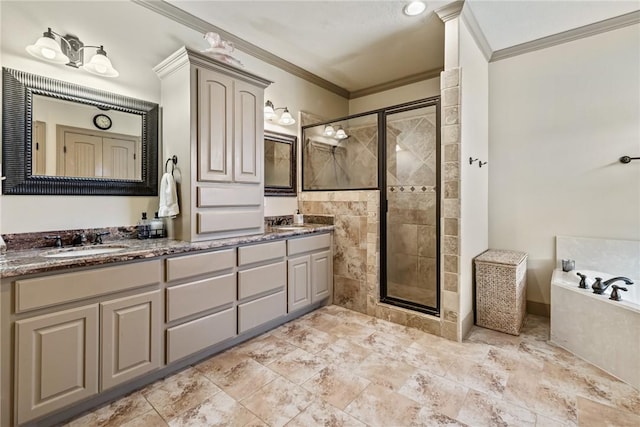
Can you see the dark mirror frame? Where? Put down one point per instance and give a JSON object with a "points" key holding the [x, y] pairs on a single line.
{"points": [[291, 189], [18, 88]]}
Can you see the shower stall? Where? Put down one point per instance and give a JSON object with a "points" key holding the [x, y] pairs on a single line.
{"points": [[395, 150]]}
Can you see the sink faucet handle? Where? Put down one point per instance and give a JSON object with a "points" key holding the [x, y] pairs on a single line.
{"points": [[98, 239], [583, 280], [58, 240], [614, 294], [598, 287]]}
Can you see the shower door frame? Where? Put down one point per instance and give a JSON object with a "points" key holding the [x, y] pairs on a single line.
{"points": [[384, 204]]}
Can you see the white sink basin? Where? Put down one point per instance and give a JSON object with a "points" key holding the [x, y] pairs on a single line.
{"points": [[84, 251]]}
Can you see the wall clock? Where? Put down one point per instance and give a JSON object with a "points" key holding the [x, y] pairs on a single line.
{"points": [[102, 121]]}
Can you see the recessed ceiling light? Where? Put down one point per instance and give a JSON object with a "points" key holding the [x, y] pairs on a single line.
{"points": [[414, 8]]}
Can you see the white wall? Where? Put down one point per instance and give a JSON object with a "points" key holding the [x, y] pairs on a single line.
{"points": [[559, 120], [399, 95], [474, 185], [134, 50]]}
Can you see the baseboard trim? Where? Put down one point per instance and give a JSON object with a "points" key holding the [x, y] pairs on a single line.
{"points": [[539, 308]]}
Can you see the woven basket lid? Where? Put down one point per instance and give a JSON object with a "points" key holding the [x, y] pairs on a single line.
{"points": [[499, 256]]}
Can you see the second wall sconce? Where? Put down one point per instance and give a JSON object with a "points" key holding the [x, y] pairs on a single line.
{"points": [[286, 119], [70, 51]]}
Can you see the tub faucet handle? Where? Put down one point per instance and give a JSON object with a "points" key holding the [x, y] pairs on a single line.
{"points": [[598, 287], [614, 294], [583, 280]]}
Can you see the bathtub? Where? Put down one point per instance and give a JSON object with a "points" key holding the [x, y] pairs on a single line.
{"points": [[593, 327]]}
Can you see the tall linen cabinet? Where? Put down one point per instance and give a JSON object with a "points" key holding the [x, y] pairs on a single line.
{"points": [[212, 120]]}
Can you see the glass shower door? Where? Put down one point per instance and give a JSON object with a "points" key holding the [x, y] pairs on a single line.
{"points": [[411, 223]]}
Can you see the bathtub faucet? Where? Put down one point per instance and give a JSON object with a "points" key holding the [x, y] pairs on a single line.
{"points": [[599, 286]]}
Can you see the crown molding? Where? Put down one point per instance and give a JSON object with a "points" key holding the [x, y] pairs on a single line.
{"points": [[426, 75], [567, 36], [450, 11], [178, 15], [476, 32]]}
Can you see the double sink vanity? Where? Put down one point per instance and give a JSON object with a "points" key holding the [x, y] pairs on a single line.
{"points": [[81, 326]]}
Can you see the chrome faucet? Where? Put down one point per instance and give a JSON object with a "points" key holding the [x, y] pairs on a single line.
{"points": [[599, 286]]}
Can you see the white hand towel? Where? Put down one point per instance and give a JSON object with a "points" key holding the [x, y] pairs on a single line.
{"points": [[168, 197]]}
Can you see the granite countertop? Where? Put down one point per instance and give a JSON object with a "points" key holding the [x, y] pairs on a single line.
{"points": [[32, 261]]}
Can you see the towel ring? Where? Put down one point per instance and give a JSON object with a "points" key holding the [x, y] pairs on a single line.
{"points": [[174, 162]]}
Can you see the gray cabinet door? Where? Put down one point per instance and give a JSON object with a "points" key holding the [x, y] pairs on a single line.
{"points": [[248, 133], [130, 337], [215, 126], [57, 360], [299, 282], [321, 275]]}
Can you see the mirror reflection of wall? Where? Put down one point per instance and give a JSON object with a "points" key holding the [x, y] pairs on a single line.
{"points": [[277, 163], [66, 140]]}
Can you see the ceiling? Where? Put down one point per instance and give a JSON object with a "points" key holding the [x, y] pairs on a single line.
{"points": [[359, 45]]}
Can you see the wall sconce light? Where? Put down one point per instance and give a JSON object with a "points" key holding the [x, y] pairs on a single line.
{"points": [[331, 131], [286, 119], [70, 51], [341, 134]]}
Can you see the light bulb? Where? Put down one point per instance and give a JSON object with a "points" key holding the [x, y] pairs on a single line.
{"points": [[48, 53], [414, 8]]}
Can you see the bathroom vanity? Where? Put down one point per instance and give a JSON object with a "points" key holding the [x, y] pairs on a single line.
{"points": [[73, 338]]}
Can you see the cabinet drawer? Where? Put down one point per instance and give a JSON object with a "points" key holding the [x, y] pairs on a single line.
{"points": [[209, 197], [192, 298], [261, 252], [261, 279], [199, 334], [307, 244], [255, 313], [194, 265], [229, 220], [62, 288]]}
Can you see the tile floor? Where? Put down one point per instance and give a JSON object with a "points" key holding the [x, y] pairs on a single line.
{"points": [[336, 367]]}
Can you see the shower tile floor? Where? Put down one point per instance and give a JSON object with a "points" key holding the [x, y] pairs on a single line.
{"points": [[336, 367]]}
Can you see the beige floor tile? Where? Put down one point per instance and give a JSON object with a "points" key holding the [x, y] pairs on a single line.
{"points": [[436, 393], [481, 410], [591, 413], [298, 366], [379, 406], [320, 320], [425, 359], [428, 418], [479, 376], [355, 369], [219, 410], [178, 393], [278, 402], [336, 386], [268, 350], [320, 413], [115, 414], [311, 339], [241, 379], [344, 354], [384, 371], [148, 419]]}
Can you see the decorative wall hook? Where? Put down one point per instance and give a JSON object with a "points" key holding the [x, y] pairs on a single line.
{"points": [[471, 160], [480, 163], [627, 159]]}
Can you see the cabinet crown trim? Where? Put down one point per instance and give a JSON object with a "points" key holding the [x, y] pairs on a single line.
{"points": [[185, 55]]}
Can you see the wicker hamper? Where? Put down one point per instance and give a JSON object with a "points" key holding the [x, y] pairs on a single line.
{"points": [[501, 290]]}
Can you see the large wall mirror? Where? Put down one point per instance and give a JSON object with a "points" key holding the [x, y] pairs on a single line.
{"points": [[59, 138], [279, 164]]}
